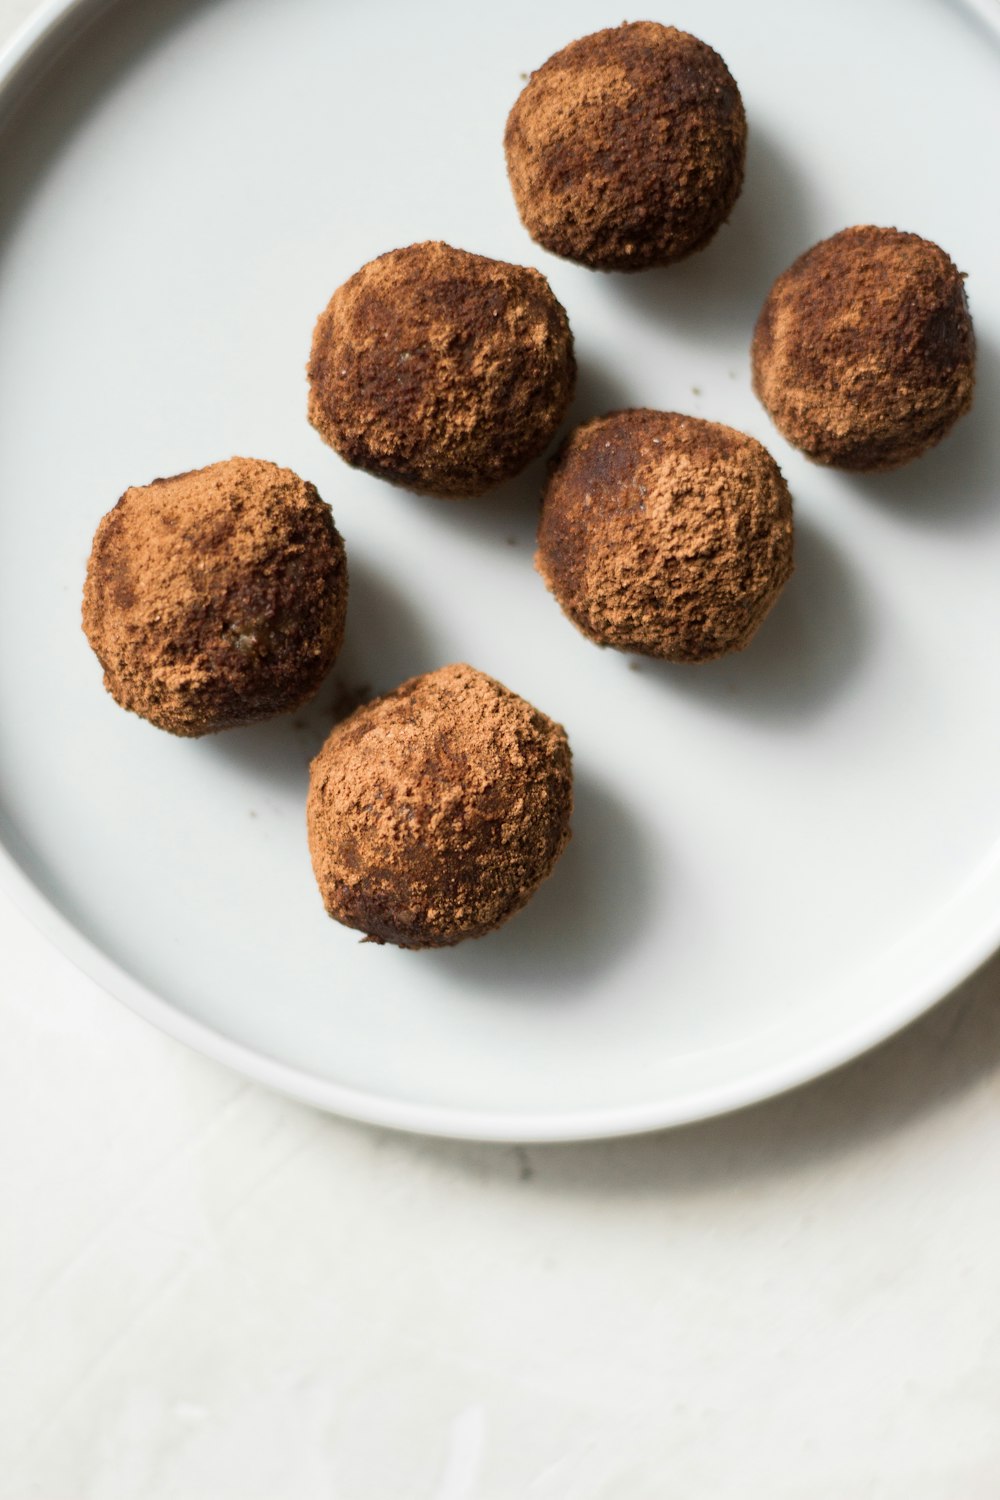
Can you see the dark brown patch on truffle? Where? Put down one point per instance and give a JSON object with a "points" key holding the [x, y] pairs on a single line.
{"points": [[864, 353], [665, 535], [441, 371], [626, 149], [217, 597], [435, 811]]}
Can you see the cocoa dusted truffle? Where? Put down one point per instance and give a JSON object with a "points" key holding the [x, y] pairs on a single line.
{"points": [[665, 535], [435, 811], [864, 353], [626, 149], [216, 598], [439, 370]]}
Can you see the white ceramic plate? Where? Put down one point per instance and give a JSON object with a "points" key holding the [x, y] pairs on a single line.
{"points": [[778, 859]]}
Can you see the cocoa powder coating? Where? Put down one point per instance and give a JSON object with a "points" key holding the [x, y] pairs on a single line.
{"points": [[217, 597], [440, 370], [665, 535], [626, 149], [864, 353], [435, 812]]}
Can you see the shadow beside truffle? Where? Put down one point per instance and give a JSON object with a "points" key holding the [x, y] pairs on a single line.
{"points": [[508, 514], [956, 483], [386, 641], [804, 653], [714, 295], [582, 917]]}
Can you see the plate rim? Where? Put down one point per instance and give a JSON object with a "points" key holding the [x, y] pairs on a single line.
{"points": [[50, 29]]}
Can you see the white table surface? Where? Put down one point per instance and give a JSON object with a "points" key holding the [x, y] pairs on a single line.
{"points": [[208, 1292]]}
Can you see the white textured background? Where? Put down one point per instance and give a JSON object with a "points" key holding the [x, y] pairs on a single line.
{"points": [[209, 1293]]}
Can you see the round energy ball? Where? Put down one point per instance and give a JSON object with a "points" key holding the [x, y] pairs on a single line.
{"points": [[864, 353], [626, 149], [436, 811], [665, 535], [441, 371], [216, 598]]}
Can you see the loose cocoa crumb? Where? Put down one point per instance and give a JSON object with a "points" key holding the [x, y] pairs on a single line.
{"points": [[435, 812]]}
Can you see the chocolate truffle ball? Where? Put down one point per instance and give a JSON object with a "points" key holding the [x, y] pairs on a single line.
{"points": [[439, 370], [217, 597], [864, 353], [665, 535], [626, 149], [435, 811]]}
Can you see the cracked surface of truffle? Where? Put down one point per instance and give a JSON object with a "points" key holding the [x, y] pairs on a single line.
{"points": [[665, 535], [217, 597], [435, 811], [441, 371], [864, 354], [626, 148]]}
